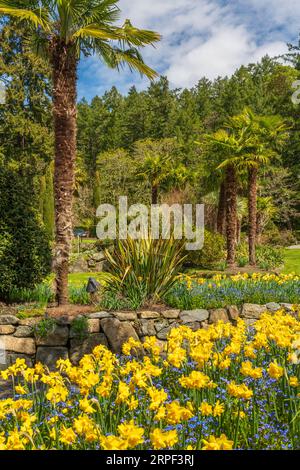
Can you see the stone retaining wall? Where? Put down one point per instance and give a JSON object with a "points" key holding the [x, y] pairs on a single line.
{"points": [[112, 329]]}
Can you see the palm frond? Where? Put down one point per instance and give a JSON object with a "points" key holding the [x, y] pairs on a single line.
{"points": [[105, 13], [130, 35], [97, 32], [88, 25], [125, 36], [36, 17], [118, 58]]}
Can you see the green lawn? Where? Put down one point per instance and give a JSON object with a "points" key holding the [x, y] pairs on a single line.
{"points": [[292, 261], [88, 241], [80, 279]]}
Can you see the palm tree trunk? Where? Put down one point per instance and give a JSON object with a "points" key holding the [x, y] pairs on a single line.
{"points": [[238, 230], [64, 65], [221, 216], [231, 213], [258, 228], [154, 194], [252, 208]]}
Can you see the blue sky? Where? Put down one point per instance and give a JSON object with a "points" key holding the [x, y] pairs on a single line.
{"points": [[200, 38]]}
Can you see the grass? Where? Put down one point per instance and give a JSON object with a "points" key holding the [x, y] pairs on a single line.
{"points": [[81, 279], [291, 261], [88, 241]]}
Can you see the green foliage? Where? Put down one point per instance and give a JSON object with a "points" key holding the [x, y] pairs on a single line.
{"points": [[242, 261], [112, 300], [80, 327], [268, 257], [79, 295], [45, 327], [113, 122], [42, 293], [25, 251], [221, 266], [25, 152], [212, 254], [143, 270], [276, 237], [116, 172]]}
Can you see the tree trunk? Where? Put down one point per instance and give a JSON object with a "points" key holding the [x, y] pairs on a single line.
{"points": [[238, 230], [258, 228], [154, 195], [252, 213], [64, 65], [231, 213], [221, 216]]}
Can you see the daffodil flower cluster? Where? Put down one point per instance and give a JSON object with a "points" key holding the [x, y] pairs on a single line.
{"points": [[221, 388], [222, 290]]}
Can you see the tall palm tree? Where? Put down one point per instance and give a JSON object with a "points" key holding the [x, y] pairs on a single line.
{"points": [[264, 136], [211, 181], [60, 31], [231, 144]]}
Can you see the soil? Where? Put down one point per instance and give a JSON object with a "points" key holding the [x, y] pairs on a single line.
{"points": [[70, 310]]}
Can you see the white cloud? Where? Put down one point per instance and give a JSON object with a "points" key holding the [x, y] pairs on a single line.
{"points": [[205, 37], [220, 55]]}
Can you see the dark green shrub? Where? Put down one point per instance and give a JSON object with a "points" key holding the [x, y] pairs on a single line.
{"points": [[25, 254]]}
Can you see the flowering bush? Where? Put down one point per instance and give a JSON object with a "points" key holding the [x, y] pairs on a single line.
{"points": [[221, 291], [219, 388]]}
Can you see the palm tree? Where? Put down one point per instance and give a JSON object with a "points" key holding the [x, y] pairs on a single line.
{"points": [[212, 181], [264, 135], [155, 170], [157, 164], [60, 31], [231, 144]]}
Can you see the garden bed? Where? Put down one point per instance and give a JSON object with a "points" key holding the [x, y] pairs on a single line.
{"points": [[221, 387]]}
